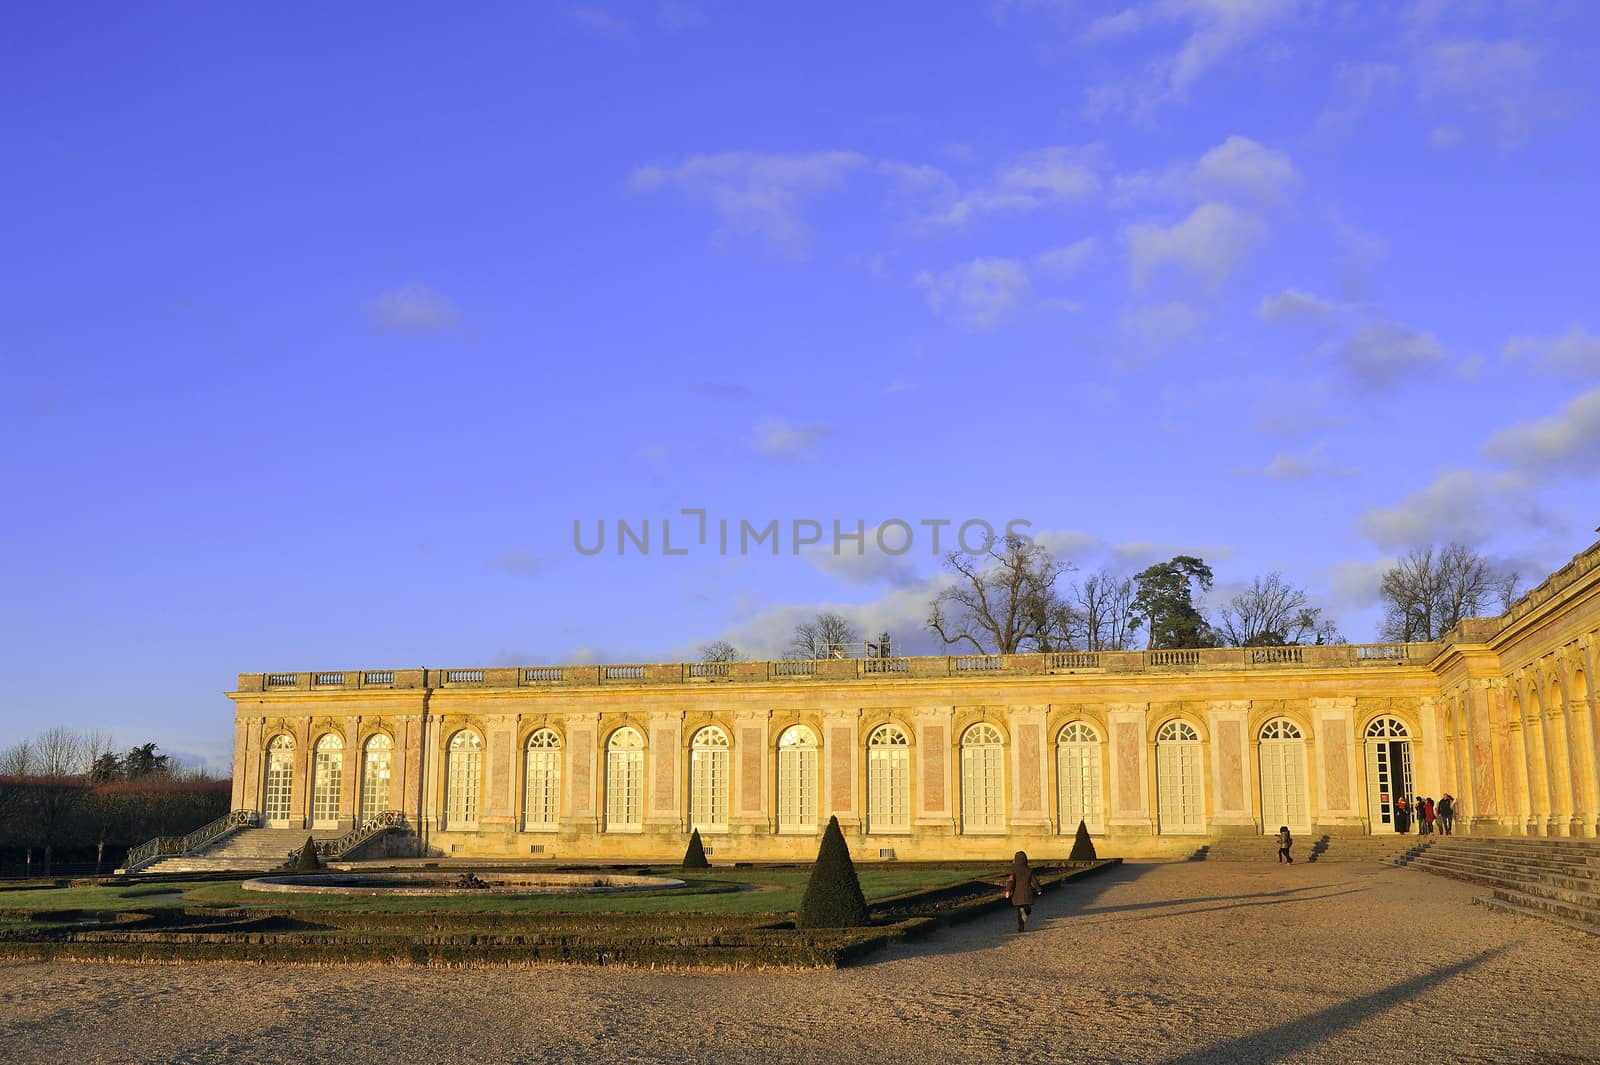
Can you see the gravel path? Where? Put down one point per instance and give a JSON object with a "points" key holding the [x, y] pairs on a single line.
{"points": [[1183, 962]]}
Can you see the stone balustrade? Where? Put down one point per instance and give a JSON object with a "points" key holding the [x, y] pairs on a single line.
{"points": [[1340, 656]]}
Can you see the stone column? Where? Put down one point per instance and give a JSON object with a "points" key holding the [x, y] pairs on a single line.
{"points": [[1131, 806], [349, 778], [1231, 747]]}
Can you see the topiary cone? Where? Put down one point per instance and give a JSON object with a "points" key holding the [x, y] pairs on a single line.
{"points": [[1083, 846], [833, 898], [695, 856], [308, 862]]}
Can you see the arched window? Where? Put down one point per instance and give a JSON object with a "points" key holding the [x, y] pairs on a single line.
{"points": [[1283, 777], [708, 779], [541, 793], [1388, 749], [1078, 775], [982, 780], [376, 773], [625, 781], [462, 774], [797, 780], [327, 777], [888, 781], [280, 781], [1180, 804]]}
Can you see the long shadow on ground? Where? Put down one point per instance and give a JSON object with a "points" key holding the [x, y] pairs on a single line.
{"points": [[1273, 1043]]}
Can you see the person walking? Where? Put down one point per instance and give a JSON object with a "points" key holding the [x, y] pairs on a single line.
{"points": [[1446, 812], [1285, 841], [1428, 816], [1022, 888]]}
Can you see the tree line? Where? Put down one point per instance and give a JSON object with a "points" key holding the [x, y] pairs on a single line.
{"points": [[1017, 597], [68, 796]]}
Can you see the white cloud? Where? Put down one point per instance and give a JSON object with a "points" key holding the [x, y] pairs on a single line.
{"points": [[875, 561], [1575, 352], [1238, 169], [781, 438], [1209, 245], [1568, 440], [755, 194], [1060, 174], [980, 294], [1214, 30], [412, 307], [1382, 353], [1066, 260], [1357, 585], [1495, 81], [1294, 307], [1304, 465], [1469, 506]]}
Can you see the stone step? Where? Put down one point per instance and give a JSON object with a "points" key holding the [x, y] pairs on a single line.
{"points": [[1583, 898], [1583, 875], [1541, 904], [1518, 863], [1506, 906]]}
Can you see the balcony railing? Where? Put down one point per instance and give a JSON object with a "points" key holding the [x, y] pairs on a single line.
{"points": [[1319, 656]]}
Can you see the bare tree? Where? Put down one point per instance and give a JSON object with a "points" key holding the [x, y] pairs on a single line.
{"points": [[719, 651], [828, 635], [1429, 592], [1004, 598], [55, 786], [1273, 613], [1102, 609]]}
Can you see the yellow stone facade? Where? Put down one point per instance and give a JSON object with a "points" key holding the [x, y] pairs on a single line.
{"points": [[966, 756]]}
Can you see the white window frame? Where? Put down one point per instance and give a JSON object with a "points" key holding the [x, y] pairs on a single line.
{"points": [[377, 775], [708, 780], [1180, 780], [463, 781], [625, 781], [277, 799], [797, 780], [888, 781], [1079, 795], [983, 781], [327, 780], [541, 782]]}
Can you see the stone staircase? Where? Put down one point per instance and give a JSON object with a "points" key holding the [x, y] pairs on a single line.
{"points": [[1385, 848], [1553, 879], [256, 850]]}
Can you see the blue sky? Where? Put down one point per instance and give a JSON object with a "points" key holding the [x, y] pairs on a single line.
{"points": [[322, 328]]}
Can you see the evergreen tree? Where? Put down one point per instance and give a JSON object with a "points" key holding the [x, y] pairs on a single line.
{"points": [[1165, 601], [1082, 846], [833, 898], [695, 856]]}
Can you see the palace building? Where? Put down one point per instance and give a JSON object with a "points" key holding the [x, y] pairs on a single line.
{"points": [[967, 756]]}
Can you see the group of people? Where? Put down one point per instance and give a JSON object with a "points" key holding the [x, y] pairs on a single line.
{"points": [[1426, 814]]}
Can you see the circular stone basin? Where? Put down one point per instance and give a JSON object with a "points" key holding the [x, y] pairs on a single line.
{"points": [[445, 883]]}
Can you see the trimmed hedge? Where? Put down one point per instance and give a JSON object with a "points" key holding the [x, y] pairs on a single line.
{"points": [[1082, 846], [695, 856], [833, 897]]}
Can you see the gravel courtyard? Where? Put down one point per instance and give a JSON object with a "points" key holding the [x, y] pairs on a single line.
{"points": [[1183, 962]]}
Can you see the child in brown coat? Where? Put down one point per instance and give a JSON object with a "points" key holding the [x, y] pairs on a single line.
{"points": [[1022, 887]]}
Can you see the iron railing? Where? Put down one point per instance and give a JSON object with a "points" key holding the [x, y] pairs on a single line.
{"points": [[169, 846]]}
